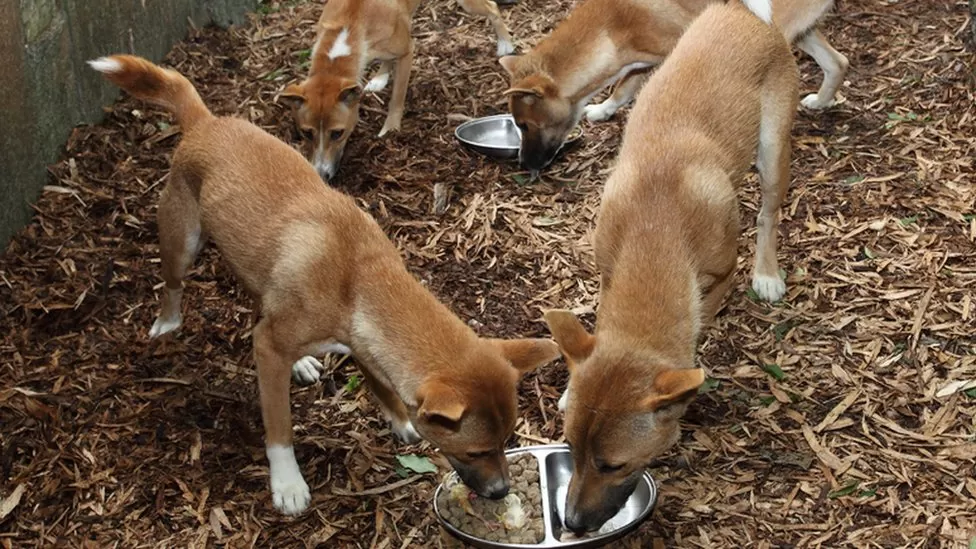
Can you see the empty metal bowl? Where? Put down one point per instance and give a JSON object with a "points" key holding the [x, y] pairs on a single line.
{"points": [[497, 136], [555, 469]]}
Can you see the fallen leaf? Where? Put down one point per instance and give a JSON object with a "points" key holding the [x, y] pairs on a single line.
{"points": [[417, 464]]}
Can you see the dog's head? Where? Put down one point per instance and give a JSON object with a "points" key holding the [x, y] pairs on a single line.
{"points": [[326, 111], [471, 414], [544, 117], [622, 412]]}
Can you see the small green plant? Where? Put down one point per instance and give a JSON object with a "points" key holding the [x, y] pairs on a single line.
{"points": [[775, 371], [352, 383]]}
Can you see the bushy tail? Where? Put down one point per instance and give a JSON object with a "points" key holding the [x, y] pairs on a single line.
{"points": [[762, 8], [165, 87]]}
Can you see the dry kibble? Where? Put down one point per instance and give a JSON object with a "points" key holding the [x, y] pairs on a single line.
{"points": [[492, 519]]}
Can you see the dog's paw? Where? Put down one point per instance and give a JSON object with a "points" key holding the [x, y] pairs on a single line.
{"points": [[505, 48], [307, 370], [390, 127], [288, 489], [291, 498], [378, 82], [563, 400], [768, 288], [164, 326], [599, 112], [405, 432], [814, 102]]}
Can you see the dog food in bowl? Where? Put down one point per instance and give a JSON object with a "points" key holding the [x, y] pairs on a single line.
{"points": [[516, 518]]}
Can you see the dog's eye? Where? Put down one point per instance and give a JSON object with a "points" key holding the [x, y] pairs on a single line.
{"points": [[306, 133], [607, 468], [335, 135]]}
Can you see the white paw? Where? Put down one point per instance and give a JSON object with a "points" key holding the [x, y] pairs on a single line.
{"points": [[389, 127], [599, 112], [405, 432], [307, 370], [563, 400], [505, 48], [378, 82], [288, 488], [814, 102], [768, 288], [164, 326]]}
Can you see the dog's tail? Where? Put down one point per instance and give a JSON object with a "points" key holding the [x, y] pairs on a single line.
{"points": [[165, 87], [763, 9]]}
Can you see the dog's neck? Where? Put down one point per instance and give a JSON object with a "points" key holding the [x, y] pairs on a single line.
{"points": [[582, 75], [402, 332], [339, 51], [651, 302]]}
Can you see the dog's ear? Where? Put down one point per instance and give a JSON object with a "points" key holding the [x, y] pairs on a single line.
{"points": [[674, 385], [294, 92], [439, 404], [350, 93], [523, 92], [527, 354], [510, 63], [573, 339]]}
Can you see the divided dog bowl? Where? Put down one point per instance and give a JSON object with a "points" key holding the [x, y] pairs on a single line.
{"points": [[555, 469], [497, 136]]}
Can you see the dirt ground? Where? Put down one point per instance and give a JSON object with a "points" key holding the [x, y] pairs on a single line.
{"points": [[837, 418]]}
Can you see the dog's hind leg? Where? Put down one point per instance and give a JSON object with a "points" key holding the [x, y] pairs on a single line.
{"points": [[401, 77], [487, 8], [180, 241], [833, 63], [778, 99], [623, 93]]}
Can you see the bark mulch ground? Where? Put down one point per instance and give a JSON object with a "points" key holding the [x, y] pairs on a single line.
{"points": [[841, 417]]}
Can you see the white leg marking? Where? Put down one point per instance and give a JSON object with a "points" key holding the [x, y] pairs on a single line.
{"points": [[768, 288], [405, 432], [307, 370], [378, 82], [505, 48], [288, 488], [167, 321], [601, 111], [563, 400]]}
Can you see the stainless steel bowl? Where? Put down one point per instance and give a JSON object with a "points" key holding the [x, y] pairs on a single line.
{"points": [[555, 470], [497, 136]]}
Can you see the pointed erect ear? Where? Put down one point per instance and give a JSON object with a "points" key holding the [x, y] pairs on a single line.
{"points": [[350, 94], [573, 339], [439, 403], [674, 385], [294, 91], [527, 354], [518, 91], [509, 63]]}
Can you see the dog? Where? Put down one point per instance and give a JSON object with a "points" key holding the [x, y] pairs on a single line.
{"points": [[326, 279], [665, 245], [606, 41], [351, 35]]}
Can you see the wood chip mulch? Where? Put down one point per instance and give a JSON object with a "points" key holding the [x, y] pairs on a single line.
{"points": [[842, 417]]}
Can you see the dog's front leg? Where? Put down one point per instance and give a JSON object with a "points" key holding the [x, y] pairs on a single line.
{"points": [[289, 490], [401, 77], [622, 94]]}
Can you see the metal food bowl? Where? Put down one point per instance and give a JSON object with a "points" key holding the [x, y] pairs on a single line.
{"points": [[555, 470], [497, 136]]}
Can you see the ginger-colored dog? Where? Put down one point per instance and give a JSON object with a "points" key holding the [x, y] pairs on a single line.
{"points": [[326, 279], [665, 244], [351, 35], [603, 41]]}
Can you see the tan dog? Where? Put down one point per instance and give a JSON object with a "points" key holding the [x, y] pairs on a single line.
{"points": [[603, 41], [351, 35], [665, 245], [326, 279]]}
